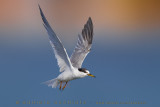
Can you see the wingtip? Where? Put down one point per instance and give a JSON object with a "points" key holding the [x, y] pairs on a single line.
{"points": [[41, 12], [40, 8], [90, 18]]}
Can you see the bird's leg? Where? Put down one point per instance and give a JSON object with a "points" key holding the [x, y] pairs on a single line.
{"points": [[64, 85], [60, 85]]}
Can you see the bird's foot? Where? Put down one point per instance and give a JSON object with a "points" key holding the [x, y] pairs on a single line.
{"points": [[60, 85], [64, 86]]}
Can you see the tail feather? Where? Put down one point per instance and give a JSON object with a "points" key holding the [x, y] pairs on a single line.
{"points": [[53, 83]]}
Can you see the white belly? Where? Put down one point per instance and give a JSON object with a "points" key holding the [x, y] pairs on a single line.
{"points": [[70, 75], [66, 76]]}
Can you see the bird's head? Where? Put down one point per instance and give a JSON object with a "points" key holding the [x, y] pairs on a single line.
{"points": [[85, 72]]}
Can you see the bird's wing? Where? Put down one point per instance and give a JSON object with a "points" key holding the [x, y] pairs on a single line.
{"points": [[60, 52], [83, 46]]}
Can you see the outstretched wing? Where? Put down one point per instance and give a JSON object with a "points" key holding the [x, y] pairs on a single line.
{"points": [[60, 52], [83, 46]]}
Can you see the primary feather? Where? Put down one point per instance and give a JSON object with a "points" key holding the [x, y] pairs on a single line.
{"points": [[60, 52], [83, 46]]}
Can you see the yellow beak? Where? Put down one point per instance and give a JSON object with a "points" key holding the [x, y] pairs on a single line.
{"points": [[91, 75]]}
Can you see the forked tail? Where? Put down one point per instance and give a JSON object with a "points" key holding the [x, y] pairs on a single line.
{"points": [[53, 83]]}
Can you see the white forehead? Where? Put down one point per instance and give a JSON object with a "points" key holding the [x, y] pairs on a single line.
{"points": [[87, 71]]}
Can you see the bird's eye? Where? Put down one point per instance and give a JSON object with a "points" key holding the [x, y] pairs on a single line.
{"points": [[84, 71]]}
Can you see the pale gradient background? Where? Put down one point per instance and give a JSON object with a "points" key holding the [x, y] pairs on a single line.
{"points": [[125, 55]]}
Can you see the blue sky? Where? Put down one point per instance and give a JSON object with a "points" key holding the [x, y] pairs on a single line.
{"points": [[126, 72]]}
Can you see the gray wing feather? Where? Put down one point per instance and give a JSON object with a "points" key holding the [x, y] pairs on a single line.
{"points": [[83, 46], [60, 52]]}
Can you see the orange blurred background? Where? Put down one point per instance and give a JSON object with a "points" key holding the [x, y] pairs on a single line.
{"points": [[67, 18], [115, 13]]}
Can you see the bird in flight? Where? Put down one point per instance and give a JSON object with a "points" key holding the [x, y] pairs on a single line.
{"points": [[70, 68]]}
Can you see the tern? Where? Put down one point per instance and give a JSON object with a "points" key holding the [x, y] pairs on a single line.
{"points": [[70, 68]]}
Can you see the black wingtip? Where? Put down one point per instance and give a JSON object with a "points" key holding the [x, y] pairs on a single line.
{"points": [[87, 31], [90, 19], [42, 15], [40, 9]]}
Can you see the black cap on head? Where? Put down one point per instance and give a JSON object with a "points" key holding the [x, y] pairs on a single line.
{"points": [[82, 70]]}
